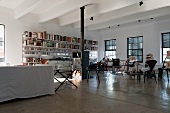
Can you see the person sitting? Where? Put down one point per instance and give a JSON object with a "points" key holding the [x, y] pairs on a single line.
{"points": [[132, 64]]}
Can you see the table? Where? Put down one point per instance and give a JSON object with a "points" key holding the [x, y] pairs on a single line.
{"points": [[65, 76], [161, 72], [25, 82]]}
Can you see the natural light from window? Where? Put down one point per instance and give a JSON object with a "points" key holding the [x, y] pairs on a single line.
{"points": [[2, 48]]}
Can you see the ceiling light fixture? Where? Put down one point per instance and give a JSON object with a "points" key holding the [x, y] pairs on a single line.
{"points": [[140, 3], [139, 20], [118, 25], [109, 27], [91, 18], [151, 18]]}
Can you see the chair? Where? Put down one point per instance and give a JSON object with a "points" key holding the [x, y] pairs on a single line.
{"points": [[150, 73], [94, 67], [116, 65]]}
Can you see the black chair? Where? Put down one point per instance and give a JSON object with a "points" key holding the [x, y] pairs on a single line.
{"points": [[116, 65], [150, 73], [94, 67]]}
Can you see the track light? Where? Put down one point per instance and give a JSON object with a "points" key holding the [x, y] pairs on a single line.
{"points": [[140, 3], [91, 18]]}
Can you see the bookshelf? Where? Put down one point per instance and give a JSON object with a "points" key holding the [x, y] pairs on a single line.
{"points": [[42, 45]]}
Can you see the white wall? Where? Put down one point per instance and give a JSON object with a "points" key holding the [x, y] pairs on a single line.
{"points": [[151, 33], [15, 28]]}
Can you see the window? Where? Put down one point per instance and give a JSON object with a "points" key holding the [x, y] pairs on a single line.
{"points": [[165, 45], [2, 43], [135, 47], [110, 48]]}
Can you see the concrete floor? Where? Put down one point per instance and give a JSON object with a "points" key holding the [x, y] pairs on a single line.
{"points": [[115, 94]]}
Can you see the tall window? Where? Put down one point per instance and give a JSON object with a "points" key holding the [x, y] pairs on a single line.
{"points": [[2, 43], [135, 47], [165, 44], [110, 48]]}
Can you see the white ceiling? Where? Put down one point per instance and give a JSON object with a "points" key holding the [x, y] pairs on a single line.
{"points": [[105, 12]]}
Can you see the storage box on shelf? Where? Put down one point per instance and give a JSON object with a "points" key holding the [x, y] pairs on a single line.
{"points": [[40, 45]]}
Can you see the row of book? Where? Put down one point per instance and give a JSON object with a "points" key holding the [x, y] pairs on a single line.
{"points": [[91, 48], [62, 46], [33, 60], [45, 36], [33, 36]]}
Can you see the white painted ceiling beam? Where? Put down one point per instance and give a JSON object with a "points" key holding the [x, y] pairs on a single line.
{"points": [[95, 9], [25, 7], [132, 18], [133, 9], [63, 8], [74, 16]]}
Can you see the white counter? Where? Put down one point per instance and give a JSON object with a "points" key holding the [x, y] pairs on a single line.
{"points": [[25, 82]]}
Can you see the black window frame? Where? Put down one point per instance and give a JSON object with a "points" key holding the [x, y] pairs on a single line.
{"points": [[139, 50], [109, 43], [164, 46], [3, 41]]}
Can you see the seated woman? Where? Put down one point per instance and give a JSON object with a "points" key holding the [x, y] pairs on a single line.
{"points": [[132, 65]]}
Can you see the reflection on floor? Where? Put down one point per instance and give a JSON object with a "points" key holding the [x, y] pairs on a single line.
{"points": [[114, 94]]}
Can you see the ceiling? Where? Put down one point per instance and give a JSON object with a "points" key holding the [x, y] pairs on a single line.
{"points": [[105, 13]]}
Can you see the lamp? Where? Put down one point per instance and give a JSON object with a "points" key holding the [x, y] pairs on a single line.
{"points": [[140, 3], [167, 57], [91, 18]]}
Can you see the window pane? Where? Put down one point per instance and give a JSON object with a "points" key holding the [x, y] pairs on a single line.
{"points": [[114, 42], [135, 40], [107, 47], [140, 39], [110, 47], [2, 28], [165, 50], [139, 52], [107, 42], [134, 52], [111, 43], [130, 46], [110, 50], [140, 46], [110, 54], [130, 40], [2, 53], [130, 52], [114, 47], [166, 43], [135, 47], [139, 58]]}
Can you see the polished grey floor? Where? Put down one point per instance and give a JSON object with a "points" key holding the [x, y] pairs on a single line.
{"points": [[114, 94]]}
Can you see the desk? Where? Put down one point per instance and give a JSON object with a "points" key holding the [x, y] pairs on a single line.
{"points": [[161, 72], [65, 76], [25, 82]]}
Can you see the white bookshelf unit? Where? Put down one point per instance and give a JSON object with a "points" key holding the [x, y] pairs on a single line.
{"points": [[40, 45]]}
